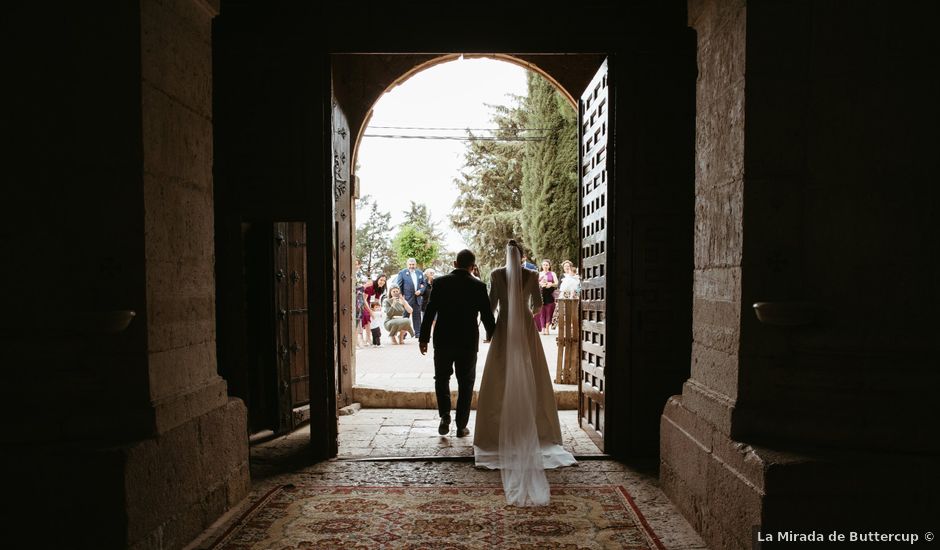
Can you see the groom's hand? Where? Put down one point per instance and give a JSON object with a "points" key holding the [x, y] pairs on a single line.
{"points": [[423, 346]]}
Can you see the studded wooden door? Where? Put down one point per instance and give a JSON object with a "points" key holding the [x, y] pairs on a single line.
{"points": [[342, 218], [290, 303], [593, 114]]}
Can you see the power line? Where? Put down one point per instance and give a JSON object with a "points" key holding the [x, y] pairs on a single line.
{"points": [[457, 138], [459, 129]]}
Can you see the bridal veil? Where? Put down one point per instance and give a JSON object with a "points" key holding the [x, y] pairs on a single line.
{"points": [[522, 470]]}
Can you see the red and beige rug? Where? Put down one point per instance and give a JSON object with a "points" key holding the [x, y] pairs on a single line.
{"points": [[298, 517]]}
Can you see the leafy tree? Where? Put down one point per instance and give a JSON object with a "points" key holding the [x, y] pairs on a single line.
{"points": [[419, 216], [550, 174], [413, 242], [373, 246], [488, 209], [443, 263]]}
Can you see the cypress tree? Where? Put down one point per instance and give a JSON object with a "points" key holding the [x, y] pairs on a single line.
{"points": [[488, 209], [550, 175]]}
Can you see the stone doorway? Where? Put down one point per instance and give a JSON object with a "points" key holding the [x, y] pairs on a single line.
{"points": [[647, 219], [653, 193], [372, 385]]}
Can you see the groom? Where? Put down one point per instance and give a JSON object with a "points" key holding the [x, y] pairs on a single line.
{"points": [[455, 303]]}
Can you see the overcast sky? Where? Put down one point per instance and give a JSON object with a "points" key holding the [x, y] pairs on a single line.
{"points": [[451, 95]]}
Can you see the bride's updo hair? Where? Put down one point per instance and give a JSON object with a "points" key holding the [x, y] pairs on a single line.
{"points": [[512, 242]]}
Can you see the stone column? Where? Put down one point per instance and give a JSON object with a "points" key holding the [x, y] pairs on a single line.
{"points": [[701, 466], [821, 203], [196, 467], [123, 437]]}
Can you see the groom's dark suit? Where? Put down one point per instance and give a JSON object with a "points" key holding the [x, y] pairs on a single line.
{"points": [[457, 300]]}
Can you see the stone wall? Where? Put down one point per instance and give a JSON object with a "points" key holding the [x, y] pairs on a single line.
{"points": [[838, 213], [72, 229], [703, 471], [197, 467], [121, 438], [719, 197], [813, 142], [176, 56]]}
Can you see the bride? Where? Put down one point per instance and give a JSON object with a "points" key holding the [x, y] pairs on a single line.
{"points": [[517, 428]]}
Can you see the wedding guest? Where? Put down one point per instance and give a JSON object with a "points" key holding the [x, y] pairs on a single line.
{"points": [[527, 264], [412, 284], [569, 288], [375, 289], [548, 282], [360, 312], [396, 323], [429, 279], [377, 317], [360, 275], [570, 282], [365, 332]]}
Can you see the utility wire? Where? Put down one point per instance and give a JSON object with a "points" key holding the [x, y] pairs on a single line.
{"points": [[458, 129], [457, 138]]}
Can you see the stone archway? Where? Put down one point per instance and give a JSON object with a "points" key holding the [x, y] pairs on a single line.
{"points": [[649, 253], [359, 81], [565, 78]]}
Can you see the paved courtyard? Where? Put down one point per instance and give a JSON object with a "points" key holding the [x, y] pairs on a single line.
{"points": [[413, 433], [402, 367], [398, 418]]}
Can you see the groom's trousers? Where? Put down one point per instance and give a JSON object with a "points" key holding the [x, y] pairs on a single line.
{"points": [[464, 364]]}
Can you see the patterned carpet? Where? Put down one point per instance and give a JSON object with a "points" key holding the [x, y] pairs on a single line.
{"points": [[579, 517]]}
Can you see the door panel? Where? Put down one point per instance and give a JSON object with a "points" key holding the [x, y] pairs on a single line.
{"points": [[282, 336], [342, 294], [654, 217], [297, 314], [291, 314], [593, 112]]}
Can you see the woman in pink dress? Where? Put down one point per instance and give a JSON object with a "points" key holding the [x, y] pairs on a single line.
{"points": [[548, 282], [375, 289]]}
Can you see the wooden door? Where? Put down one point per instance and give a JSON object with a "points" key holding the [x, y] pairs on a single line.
{"points": [[290, 304], [593, 118], [342, 290], [654, 199]]}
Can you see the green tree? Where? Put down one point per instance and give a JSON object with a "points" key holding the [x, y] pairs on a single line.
{"points": [[488, 209], [412, 242], [373, 245], [550, 174], [419, 216]]}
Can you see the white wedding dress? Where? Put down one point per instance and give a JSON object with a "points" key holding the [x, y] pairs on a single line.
{"points": [[517, 428]]}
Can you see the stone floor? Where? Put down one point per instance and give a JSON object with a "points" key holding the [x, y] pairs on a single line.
{"points": [[413, 433], [388, 437], [383, 444]]}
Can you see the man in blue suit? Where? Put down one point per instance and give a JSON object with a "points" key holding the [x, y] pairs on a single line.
{"points": [[412, 284], [527, 264]]}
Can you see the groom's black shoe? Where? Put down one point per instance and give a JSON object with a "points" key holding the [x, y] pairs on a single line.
{"points": [[445, 425], [463, 432]]}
